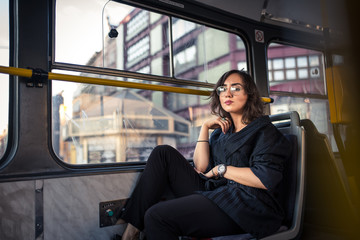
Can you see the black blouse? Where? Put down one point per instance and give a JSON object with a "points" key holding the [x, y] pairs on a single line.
{"points": [[261, 147]]}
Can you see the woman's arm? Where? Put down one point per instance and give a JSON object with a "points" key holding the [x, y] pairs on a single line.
{"points": [[202, 150], [242, 175]]}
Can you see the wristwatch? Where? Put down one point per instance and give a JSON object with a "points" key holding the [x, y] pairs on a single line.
{"points": [[221, 170]]}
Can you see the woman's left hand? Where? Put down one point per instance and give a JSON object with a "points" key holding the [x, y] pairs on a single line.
{"points": [[212, 173]]}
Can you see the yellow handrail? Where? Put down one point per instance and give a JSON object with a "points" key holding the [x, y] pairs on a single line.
{"points": [[22, 72], [100, 81]]}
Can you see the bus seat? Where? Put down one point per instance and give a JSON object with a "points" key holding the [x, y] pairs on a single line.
{"points": [[329, 200], [293, 184]]}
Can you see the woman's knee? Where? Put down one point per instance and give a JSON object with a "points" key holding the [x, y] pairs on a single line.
{"points": [[163, 148], [153, 217], [159, 223], [162, 152]]}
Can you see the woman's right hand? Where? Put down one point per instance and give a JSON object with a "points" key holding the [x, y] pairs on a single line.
{"points": [[218, 122], [201, 153]]}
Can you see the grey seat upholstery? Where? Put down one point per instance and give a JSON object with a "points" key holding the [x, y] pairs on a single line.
{"points": [[329, 199]]}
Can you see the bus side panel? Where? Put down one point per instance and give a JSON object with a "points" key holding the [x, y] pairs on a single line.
{"points": [[69, 206], [17, 210]]}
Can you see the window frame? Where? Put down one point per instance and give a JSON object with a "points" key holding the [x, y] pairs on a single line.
{"points": [[13, 86]]}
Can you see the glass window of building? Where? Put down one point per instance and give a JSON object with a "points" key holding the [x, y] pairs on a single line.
{"points": [[302, 61], [199, 54], [290, 74], [303, 88], [101, 124], [4, 78], [278, 63], [138, 51], [185, 59], [137, 23], [314, 60], [181, 28], [303, 73], [278, 75], [290, 62]]}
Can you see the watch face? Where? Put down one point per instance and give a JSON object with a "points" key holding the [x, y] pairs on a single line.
{"points": [[222, 168]]}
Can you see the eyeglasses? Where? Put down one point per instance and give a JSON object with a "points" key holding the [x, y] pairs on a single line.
{"points": [[234, 90]]}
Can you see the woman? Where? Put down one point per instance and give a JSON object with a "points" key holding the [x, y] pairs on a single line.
{"points": [[230, 189]]}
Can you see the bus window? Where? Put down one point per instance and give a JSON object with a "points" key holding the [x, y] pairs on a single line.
{"points": [[297, 83], [4, 78], [137, 40], [99, 124]]}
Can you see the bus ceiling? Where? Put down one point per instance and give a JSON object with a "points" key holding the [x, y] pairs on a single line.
{"points": [[323, 17], [320, 14]]}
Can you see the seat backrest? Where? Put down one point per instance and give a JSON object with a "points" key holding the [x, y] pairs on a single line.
{"points": [[292, 188], [286, 190], [329, 200]]}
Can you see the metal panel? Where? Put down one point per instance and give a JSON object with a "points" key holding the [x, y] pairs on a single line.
{"points": [[17, 210], [71, 205]]}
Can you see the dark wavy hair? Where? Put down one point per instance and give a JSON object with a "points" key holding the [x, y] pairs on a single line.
{"points": [[254, 106]]}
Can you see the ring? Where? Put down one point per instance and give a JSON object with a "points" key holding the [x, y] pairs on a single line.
{"points": [[224, 119]]}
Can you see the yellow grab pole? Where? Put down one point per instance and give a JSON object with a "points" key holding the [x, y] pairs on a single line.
{"points": [[16, 71], [116, 83], [100, 81], [267, 99]]}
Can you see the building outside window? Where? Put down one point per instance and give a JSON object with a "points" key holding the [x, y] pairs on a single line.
{"points": [[297, 83]]}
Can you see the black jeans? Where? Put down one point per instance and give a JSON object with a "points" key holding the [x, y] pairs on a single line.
{"points": [[189, 214]]}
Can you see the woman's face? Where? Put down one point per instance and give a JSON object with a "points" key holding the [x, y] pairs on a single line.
{"points": [[233, 97]]}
